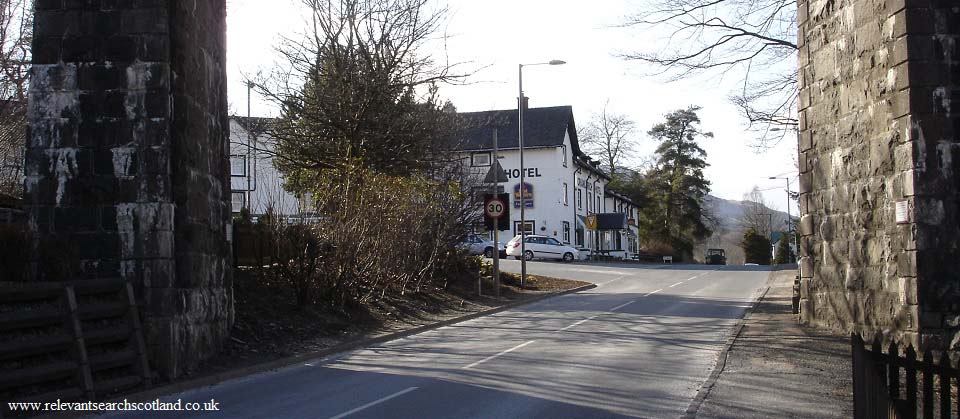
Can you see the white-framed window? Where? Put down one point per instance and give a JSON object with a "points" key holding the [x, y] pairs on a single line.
{"points": [[530, 227], [563, 150], [566, 232], [589, 201], [238, 201], [566, 199], [480, 159], [238, 165], [579, 199]]}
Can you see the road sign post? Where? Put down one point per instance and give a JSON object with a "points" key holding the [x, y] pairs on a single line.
{"points": [[496, 221]]}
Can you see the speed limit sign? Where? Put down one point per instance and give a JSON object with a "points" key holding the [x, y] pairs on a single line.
{"points": [[495, 208]]}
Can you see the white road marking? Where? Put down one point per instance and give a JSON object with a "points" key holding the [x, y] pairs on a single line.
{"points": [[578, 323], [597, 271], [622, 305], [374, 403], [652, 292], [498, 355], [612, 280], [678, 283]]}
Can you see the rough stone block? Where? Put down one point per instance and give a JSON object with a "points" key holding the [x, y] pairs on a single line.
{"points": [[907, 263], [806, 225], [806, 267]]}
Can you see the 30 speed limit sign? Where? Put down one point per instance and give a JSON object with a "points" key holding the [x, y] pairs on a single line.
{"points": [[495, 208]]}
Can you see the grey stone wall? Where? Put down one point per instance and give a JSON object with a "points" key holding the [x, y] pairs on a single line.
{"points": [[876, 128], [126, 165]]}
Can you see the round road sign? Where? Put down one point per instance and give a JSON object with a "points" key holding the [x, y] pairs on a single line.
{"points": [[495, 208]]}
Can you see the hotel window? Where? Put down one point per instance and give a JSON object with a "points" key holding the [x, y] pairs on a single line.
{"points": [[579, 199], [238, 201], [238, 165], [566, 200], [480, 159], [589, 202], [566, 232], [563, 150]]}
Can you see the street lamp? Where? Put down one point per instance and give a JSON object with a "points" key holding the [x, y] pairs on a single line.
{"points": [[523, 192], [796, 240]]}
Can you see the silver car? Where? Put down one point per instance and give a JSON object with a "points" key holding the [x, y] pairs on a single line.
{"points": [[476, 245], [543, 247]]}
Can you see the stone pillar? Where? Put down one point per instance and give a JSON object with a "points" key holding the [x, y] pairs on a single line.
{"points": [[877, 133], [127, 161]]}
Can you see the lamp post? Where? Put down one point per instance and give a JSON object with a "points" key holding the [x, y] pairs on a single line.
{"points": [[523, 192], [796, 241]]}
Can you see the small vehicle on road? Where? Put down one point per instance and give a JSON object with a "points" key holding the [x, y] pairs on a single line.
{"points": [[476, 245], [715, 257], [543, 247]]}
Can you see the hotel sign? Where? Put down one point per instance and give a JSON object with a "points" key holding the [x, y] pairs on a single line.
{"points": [[527, 195]]}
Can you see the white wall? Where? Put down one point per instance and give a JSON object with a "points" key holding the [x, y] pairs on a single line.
{"points": [[264, 180]]}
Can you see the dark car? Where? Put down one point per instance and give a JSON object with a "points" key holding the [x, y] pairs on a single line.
{"points": [[715, 257]]}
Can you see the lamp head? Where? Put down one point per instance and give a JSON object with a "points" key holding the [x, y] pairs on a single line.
{"points": [[557, 62], [774, 177]]}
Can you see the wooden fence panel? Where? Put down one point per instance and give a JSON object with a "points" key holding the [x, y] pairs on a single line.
{"points": [[49, 358], [877, 382]]}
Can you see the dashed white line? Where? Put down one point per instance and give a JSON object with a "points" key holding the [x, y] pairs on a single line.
{"points": [[678, 283], [498, 355], [612, 280], [652, 292], [374, 403], [623, 305], [577, 323]]}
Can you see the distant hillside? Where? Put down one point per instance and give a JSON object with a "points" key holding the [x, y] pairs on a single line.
{"points": [[730, 214]]}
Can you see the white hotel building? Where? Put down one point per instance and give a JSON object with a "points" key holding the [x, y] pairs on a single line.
{"points": [[565, 184]]}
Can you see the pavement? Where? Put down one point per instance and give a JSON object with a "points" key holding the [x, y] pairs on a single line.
{"points": [[639, 344], [776, 368]]}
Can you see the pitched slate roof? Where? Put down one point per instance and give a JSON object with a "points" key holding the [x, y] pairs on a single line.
{"points": [[542, 127]]}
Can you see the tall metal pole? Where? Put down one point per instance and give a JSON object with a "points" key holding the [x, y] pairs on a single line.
{"points": [[790, 228], [249, 162], [523, 200], [496, 223]]}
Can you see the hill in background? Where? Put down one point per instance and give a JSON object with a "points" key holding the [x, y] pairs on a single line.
{"points": [[732, 222]]}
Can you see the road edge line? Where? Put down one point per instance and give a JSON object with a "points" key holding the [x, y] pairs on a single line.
{"points": [[707, 386], [214, 379]]}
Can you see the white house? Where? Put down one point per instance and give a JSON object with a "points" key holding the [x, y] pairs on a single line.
{"points": [[255, 183], [564, 186]]}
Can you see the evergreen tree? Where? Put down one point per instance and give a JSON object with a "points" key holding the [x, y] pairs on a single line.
{"points": [[784, 252], [756, 247], [676, 185]]}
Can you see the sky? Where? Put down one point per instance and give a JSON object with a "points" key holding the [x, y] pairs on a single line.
{"points": [[494, 36]]}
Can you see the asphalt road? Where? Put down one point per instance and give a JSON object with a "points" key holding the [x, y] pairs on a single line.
{"points": [[640, 344]]}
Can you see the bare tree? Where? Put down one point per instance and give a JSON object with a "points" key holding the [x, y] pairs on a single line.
{"points": [[752, 40], [608, 136], [16, 29], [757, 214]]}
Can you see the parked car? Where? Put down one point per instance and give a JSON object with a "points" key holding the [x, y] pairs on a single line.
{"points": [[476, 245], [715, 257], [542, 247]]}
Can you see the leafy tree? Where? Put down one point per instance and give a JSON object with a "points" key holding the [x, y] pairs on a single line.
{"points": [[363, 133], [677, 186], [784, 251], [756, 247], [359, 92]]}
